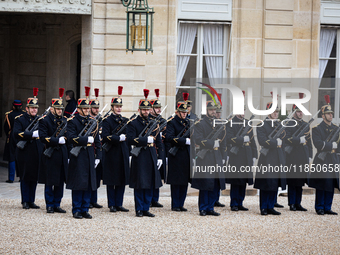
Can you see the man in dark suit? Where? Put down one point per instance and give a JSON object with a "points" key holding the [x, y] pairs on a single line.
{"points": [[325, 182], [10, 145], [81, 177], [71, 103], [53, 169], [28, 158], [179, 164], [116, 171], [144, 175]]}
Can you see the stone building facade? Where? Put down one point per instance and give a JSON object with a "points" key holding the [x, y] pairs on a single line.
{"points": [[76, 43]]}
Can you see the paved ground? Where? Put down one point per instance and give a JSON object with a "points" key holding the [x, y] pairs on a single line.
{"points": [[36, 232]]}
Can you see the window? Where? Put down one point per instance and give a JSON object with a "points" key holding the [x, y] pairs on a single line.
{"points": [[329, 69], [201, 55]]}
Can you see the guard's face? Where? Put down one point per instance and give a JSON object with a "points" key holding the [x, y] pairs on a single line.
{"points": [[94, 111], [328, 117], [298, 115], [211, 112], [274, 115], [189, 109], [157, 110], [52, 110], [144, 112], [84, 111], [218, 115], [117, 109], [240, 116], [183, 115], [32, 111], [58, 111]]}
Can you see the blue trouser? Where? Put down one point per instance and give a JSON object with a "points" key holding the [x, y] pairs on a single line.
{"points": [[155, 195], [27, 189], [323, 200], [178, 195], [53, 195], [80, 201], [207, 199], [294, 195], [143, 199], [267, 199], [94, 197], [237, 194], [11, 170], [115, 195]]}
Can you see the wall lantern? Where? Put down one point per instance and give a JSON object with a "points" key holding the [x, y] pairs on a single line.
{"points": [[139, 25]]}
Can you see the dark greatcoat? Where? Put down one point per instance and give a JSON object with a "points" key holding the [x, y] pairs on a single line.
{"points": [[212, 158], [178, 165], [81, 171], [162, 132], [116, 169], [300, 154], [329, 180], [144, 173], [70, 107], [245, 155], [52, 168], [10, 145], [270, 181], [27, 159]]}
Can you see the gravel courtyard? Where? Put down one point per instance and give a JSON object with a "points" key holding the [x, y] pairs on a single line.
{"points": [[36, 232]]}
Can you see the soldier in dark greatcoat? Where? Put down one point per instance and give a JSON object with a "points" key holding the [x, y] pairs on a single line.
{"points": [[144, 175], [81, 177], [209, 186], [10, 145], [179, 164], [116, 171], [325, 182], [28, 158], [156, 109], [269, 182], [53, 170], [245, 157], [301, 155], [94, 104]]}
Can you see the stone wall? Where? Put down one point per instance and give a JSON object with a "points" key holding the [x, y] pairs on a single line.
{"points": [[112, 66]]}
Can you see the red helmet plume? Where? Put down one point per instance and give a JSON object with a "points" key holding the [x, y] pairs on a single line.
{"points": [[157, 93], [327, 99], [301, 95], [35, 92], [87, 91], [120, 90], [146, 93], [185, 96], [61, 92], [96, 92]]}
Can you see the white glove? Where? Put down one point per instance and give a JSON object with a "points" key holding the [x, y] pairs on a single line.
{"points": [[246, 139], [166, 160], [122, 138], [35, 134], [217, 144], [68, 161], [223, 161], [310, 160], [187, 141], [150, 139], [159, 163], [279, 142], [227, 159], [302, 139], [254, 160], [334, 145], [130, 158], [62, 140], [90, 139], [96, 162]]}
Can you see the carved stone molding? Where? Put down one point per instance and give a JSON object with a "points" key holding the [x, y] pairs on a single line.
{"points": [[47, 6]]}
